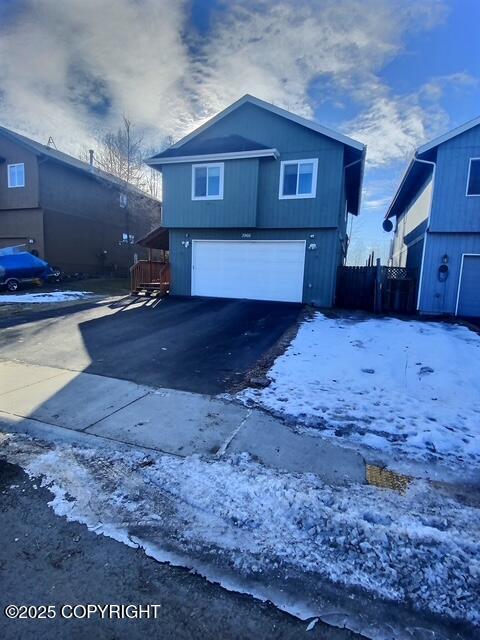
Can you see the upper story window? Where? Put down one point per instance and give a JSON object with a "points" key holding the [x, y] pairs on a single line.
{"points": [[16, 175], [473, 181], [123, 200], [298, 178], [207, 181]]}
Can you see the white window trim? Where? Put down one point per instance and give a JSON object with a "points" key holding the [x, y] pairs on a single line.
{"points": [[206, 165], [470, 195], [15, 186], [313, 193]]}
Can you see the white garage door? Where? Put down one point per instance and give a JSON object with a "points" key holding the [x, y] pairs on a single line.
{"points": [[256, 270], [469, 292]]}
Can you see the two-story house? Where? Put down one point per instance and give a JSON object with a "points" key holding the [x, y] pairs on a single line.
{"points": [[436, 212], [69, 212], [256, 202]]}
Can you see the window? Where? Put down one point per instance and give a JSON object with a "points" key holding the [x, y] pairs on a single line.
{"points": [[473, 181], [16, 175], [207, 181], [128, 238], [123, 200], [298, 179]]}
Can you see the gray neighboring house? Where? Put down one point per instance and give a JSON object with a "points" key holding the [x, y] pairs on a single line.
{"points": [[68, 212], [436, 213], [256, 202]]}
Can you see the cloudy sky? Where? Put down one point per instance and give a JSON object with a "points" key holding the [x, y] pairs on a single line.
{"points": [[391, 73]]}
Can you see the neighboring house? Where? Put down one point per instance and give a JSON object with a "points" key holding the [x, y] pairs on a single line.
{"points": [[68, 212], [437, 222], [256, 202]]}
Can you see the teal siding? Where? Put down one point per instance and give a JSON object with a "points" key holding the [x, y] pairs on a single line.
{"points": [[321, 211], [320, 262], [441, 297], [238, 207], [251, 186], [251, 203], [452, 210]]}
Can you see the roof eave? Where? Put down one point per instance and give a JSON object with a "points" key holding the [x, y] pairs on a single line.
{"points": [[399, 189], [212, 157], [448, 136]]}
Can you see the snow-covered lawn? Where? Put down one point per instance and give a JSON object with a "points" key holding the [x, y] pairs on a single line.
{"points": [[49, 296], [313, 549], [405, 389]]}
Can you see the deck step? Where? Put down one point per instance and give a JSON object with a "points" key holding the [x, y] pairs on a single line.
{"points": [[156, 291]]}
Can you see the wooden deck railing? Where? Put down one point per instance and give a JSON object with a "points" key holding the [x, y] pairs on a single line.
{"points": [[149, 273]]}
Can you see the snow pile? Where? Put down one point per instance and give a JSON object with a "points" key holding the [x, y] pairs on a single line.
{"points": [[50, 296], [407, 388], [421, 549]]}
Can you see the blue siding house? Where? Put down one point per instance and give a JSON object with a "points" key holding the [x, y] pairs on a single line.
{"points": [[256, 202], [437, 222]]}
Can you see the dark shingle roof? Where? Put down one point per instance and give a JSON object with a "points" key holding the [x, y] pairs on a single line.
{"points": [[65, 159], [226, 144]]}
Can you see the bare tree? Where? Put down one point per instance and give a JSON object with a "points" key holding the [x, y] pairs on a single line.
{"points": [[121, 154]]}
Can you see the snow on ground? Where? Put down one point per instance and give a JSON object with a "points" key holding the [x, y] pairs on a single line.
{"points": [[406, 388], [50, 296], [420, 549]]}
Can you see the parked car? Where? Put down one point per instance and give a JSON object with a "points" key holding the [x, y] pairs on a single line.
{"points": [[21, 268]]}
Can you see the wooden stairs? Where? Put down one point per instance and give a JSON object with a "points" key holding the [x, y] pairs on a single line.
{"points": [[150, 278]]}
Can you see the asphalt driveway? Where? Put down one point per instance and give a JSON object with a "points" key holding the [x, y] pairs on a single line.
{"points": [[194, 344]]}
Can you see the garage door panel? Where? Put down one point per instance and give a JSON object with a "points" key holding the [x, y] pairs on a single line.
{"points": [[469, 293], [262, 270]]}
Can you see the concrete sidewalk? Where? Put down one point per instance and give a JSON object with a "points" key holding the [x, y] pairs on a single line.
{"points": [[34, 397]]}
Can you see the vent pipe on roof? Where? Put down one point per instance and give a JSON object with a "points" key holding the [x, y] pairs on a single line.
{"points": [[91, 152]]}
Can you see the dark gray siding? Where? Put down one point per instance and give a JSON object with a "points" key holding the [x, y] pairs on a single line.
{"points": [[320, 262], [242, 206], [452, 210], [439, 297], [83, 218], [414, 255], [21, 197], [20, 225], [237, 209]]}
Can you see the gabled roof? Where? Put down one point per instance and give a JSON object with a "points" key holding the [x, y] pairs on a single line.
{"points": [[419, 171], [213, 149], [309, 124], [226, 144], [448, 136], [415, 177], [235, 146], [70, 161]]}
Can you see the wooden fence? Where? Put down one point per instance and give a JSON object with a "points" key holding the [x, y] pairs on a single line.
{"points": [[376, 288]]}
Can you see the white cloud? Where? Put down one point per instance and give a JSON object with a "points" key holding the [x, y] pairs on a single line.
{"points": [[393, 126], [70, 69], [276, 50]]}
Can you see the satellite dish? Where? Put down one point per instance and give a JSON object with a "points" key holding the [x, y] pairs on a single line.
{"points": [[387, 225]]}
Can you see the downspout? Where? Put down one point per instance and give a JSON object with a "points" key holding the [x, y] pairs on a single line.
{"points": [[434, 165], [350, 164]]}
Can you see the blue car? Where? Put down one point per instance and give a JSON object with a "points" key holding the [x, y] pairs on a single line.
{"points": [[24, 268]]}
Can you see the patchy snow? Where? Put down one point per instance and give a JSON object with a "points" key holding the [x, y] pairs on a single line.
{"points": [[49, 296], [406, 388], [333, 548]]}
